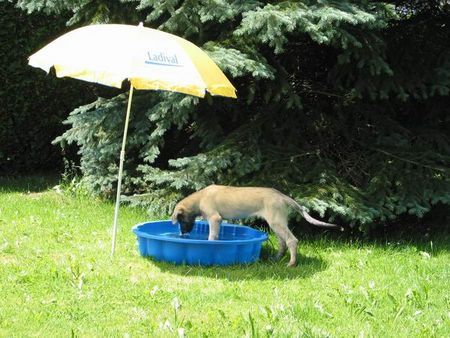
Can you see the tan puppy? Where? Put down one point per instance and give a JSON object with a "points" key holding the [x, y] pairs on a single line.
{"points": [[217, 202]]}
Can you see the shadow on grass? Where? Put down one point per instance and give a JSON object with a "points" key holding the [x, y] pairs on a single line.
{"points": [[435, 242], [264, 269], [28, 184]]}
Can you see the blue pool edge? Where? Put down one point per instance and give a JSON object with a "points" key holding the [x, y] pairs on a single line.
{"points": [[262, 235]]}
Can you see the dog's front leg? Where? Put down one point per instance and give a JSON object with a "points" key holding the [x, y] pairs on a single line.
{"points": [[214, 226]]}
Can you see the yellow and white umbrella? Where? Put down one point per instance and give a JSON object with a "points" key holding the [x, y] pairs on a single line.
{"points": [[148, 58]]}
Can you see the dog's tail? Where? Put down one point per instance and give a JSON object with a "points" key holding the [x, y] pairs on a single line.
{"points": [[308, 217]]}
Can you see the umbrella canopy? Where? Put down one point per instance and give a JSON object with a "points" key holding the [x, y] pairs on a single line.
{"points": [[147, 58]]}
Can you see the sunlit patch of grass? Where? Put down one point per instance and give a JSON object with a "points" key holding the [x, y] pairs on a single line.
{"points": [[57, 279]]}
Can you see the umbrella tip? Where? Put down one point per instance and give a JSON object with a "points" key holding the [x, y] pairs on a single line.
{"points": [[141, 24]]}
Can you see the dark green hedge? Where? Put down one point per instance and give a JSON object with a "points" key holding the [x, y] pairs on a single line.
{"points": [[32, 103]]}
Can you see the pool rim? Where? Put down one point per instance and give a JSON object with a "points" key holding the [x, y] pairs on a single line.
{"points": [[261, 235]]}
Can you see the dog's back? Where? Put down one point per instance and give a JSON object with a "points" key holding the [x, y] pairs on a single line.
{"points": [[232, 202]]}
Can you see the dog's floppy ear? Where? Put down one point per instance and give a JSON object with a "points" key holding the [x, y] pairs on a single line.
{"points": [[176, 214]]}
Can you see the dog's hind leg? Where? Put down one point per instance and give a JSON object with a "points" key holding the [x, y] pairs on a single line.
{"points": [[292, 244], [278, 223], [289, 241], [282, 247]]}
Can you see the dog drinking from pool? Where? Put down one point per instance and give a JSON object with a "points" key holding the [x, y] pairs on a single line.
{"points": [[217, 202]]}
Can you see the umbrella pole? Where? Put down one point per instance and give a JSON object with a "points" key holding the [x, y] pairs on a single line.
{"points": [[119, 181]]}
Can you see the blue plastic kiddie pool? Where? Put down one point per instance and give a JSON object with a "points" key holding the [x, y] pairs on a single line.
{"points": [[237, 244]]}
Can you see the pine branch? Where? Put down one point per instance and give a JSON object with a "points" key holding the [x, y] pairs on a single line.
{"points": [[443, 170]]}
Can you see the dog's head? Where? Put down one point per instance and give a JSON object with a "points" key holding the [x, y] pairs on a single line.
{"points": [[186, 219]]}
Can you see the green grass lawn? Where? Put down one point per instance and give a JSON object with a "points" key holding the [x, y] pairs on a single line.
{"points": [[58, 280]]}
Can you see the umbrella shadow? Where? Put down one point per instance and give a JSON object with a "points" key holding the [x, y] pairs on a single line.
{"points": [[264, 269]]}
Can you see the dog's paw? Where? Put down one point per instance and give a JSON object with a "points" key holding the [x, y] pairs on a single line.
{"points": [[292, 264]]}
